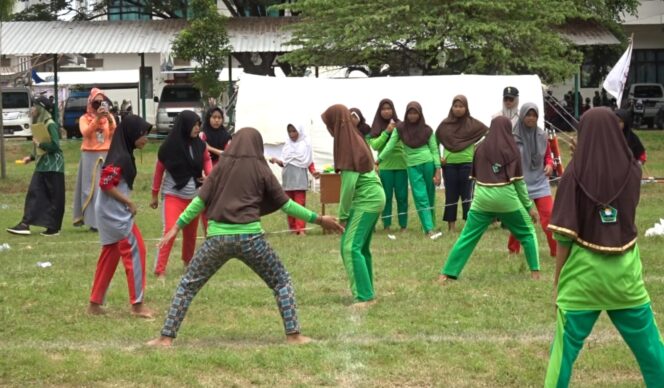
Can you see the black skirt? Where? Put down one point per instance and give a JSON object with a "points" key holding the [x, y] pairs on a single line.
{"points": [[45, 201]]}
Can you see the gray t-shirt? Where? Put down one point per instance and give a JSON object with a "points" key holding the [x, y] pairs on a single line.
{"points": [[294, 178], [114, 220], [536, 181]]}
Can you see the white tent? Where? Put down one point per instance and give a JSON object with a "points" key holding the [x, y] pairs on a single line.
{"points": [[269, 104]]}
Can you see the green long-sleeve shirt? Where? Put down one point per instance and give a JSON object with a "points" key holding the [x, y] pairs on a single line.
{"points": [[414, 156], [215, 228], [501, 199], [52, 160], [460, 157], [395, 160], [360, 191], [594, 281]]}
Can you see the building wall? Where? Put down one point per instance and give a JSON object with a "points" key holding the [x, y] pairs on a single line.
{"points": [[133, 61]]}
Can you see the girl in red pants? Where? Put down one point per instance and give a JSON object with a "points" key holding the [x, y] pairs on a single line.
{"points": [[296, 158], [182, 159], [537, 167], [119, 235]]}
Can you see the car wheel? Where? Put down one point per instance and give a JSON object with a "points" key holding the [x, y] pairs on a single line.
{"points": [[28, 138]]}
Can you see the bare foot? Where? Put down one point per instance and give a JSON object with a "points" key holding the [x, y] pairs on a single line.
{"points": [[451, 226], [297, 339], [160, 276], [444, 279], [164, 342], [364, 304], [95, 309], [402, 230], [535, 275], [140, 311]]}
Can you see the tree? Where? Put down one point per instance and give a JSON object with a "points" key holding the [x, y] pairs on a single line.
{"points": [[446, 36], [6, 8], [205, 41]]}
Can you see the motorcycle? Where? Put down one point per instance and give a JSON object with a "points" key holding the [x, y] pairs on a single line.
{"points": [[638, 111]]}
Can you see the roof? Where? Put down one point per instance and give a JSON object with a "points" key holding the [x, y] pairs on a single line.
{"points": [[260, 34], [587, 33], [99, 37], [131, 37]]}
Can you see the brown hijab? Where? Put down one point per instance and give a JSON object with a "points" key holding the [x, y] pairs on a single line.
{"points": [[351, 152], [497, 160], [379, 123], [457, 134], [242, 188], [602, 175], [414, 135]]}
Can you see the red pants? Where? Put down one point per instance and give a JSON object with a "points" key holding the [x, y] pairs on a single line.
{"points": [[544, 207], [173, 207], [132, 252], [296, 224]]}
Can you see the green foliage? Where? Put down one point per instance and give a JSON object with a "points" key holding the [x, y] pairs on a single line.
{"points": [[446, 36], [205, 41], [6, 8]]}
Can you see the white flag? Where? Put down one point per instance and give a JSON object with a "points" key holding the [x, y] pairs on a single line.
{"points": [[614, 83]]}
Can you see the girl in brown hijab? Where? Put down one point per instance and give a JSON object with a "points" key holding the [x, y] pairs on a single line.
{"points": [[458, 134], [237, 193], [422, 159], [501, 193], [361, 200], [393, 174], [598, 264]]}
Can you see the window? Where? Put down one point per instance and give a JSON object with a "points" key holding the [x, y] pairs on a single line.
{"points": [[647, 91], [180, 94], [647, 66], [15, 100], [127, 10]]}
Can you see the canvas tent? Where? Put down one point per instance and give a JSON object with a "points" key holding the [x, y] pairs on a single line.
{"points": [[269, 104]]}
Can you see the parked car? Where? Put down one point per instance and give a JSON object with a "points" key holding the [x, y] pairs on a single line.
{"points": [[16, 115], [75, 107], [652, 95], [174, 99]]}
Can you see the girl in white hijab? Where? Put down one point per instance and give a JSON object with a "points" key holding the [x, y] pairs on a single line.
{"points": [[296, 158]]}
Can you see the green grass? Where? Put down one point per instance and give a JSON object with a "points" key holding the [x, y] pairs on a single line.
{"points": [[492, 328]]}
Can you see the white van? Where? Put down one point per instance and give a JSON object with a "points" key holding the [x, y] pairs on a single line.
{"points": [[16, 115], [175, 99]]}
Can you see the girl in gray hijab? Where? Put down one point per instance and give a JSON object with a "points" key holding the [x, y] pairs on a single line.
{"points": [[537, 167]]}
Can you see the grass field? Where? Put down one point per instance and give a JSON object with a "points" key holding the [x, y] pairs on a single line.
{"points": [[492, 328]]}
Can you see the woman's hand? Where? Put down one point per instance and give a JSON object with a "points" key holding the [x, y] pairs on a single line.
{"points": [[154, 203], [436, 177], [548, 170], [316, 174], [170, 235], [131, 206], [534, 215]]}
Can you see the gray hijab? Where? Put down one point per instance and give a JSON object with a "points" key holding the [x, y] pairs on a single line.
{"points": [[532, 140]]}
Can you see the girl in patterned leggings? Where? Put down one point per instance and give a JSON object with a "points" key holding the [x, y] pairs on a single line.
{"points": [[236, 194]]}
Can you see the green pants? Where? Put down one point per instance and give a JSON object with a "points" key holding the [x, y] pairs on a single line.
{"points": [[518, 222], [355, 243], [395, 182], [424, 193], [637, 327]]}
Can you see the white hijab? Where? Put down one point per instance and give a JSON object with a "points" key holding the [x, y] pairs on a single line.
{"points": [[298, 153]]}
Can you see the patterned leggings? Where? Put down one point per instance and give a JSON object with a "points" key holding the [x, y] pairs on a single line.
{"points": [[251, 249]]}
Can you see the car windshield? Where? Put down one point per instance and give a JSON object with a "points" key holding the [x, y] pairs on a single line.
{"points": [[180, 95], [15, 100], [76, 103], [647, 91]]}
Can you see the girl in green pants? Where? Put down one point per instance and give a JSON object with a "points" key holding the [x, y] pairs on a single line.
{"points": [[598, 265], [500, 193], [393, 173], [423, 161], [361, 200]]}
